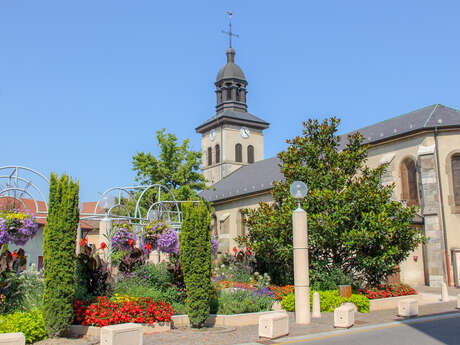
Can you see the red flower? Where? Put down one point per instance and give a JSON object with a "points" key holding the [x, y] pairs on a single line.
{"points": [[248, 251], [130, 242], [235, 250], [103, 245], [148, 247], [14, 255], [83, 242]]}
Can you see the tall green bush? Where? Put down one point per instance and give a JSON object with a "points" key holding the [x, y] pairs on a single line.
{"points": [[59, 254], [195, 258]]}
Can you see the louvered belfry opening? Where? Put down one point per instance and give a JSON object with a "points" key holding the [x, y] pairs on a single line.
{"points": [[238, 153], [250, 154]]}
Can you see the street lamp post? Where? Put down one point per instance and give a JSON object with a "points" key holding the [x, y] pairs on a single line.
{"points": [[298, 191], [105, 226]]}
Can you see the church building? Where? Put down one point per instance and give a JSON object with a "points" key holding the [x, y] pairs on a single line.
{"points": [[422, 147]]}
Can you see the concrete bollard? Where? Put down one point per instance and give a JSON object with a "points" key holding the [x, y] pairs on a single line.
{"points": [[122, 334], [344, 316], [408, 307], [12, 339], [444, 292], [273, 325], [458, 301], [316, 306]]}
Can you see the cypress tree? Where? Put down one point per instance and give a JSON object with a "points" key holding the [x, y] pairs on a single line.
{"points": [[59, 258], [195, 259]]}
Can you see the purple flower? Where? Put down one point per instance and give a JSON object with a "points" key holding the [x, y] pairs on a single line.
{"points": [[214, 245], [168, 241], [124, 238]]}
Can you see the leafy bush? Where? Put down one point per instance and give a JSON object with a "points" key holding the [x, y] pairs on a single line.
{"points": [[239, 301], [354, 224], [32, 289], [154, 281], [329, 300], [31, 324], [195, 259], [59, 254], [11, 291], [92, 274], [323, 279]]}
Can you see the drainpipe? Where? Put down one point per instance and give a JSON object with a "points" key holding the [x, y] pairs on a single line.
{"points": [[446, 265]]}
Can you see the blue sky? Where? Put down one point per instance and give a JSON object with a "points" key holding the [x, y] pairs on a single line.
{"points": [[84, 85]]}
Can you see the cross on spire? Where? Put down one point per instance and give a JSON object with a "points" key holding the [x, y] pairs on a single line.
{"points": [[229, 32]]}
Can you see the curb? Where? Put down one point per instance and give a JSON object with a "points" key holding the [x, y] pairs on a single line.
{"points": [[349, 331]]}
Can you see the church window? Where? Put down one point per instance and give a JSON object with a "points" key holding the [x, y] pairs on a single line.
{"points": [[409, 182], [456, 178], [238, 153], [209, 156], [217, 153], [250, 154]]}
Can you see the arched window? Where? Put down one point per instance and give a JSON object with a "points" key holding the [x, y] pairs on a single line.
{"points": [[217, 153], [409, 182], [456, 178], [209, 156], [238, 93], [250, 154], [238, 153]]}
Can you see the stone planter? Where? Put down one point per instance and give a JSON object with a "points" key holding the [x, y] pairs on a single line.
{"points": [[95, 332], [390, 302]]}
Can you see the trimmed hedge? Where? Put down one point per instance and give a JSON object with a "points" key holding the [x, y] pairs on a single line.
{"points": [[31, 324], [329, 300], [195, 259], [59, 258]]}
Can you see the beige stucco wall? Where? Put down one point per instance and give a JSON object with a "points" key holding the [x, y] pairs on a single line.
{"points": [[227, 137], [229, 212], [33, 248]]}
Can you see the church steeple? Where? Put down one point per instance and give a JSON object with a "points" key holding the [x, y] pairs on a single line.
{"points": [[231, 86]]}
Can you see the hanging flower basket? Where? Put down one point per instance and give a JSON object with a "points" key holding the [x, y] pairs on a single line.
{"points": [[17, 227], [124, 237]]}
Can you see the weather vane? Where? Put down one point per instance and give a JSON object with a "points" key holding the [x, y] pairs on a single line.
{"points": [[229, 32]]}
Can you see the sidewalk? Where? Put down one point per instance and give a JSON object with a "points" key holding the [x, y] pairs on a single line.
{"points": [[249, 334]]}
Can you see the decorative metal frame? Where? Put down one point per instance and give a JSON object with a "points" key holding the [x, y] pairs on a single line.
{"points": [[17, 186], [166, 208]]}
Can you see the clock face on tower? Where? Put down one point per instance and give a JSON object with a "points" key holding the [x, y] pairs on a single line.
{"points": [[212, 134], [244, 131]]}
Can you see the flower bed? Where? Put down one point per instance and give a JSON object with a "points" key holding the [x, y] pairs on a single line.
{"points": [[386, 291], [105, 312]]}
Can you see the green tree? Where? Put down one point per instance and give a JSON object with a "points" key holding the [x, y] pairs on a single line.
{"points": [[354, 226], [177, 167], [59, 254], [195, 259]]}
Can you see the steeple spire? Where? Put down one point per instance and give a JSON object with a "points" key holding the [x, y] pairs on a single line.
{"points": [[229, 32]]}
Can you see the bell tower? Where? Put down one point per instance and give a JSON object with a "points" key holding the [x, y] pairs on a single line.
{"points": [[232, 138]]}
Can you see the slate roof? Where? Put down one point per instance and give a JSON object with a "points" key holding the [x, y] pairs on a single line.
{"points": [[229, 115], [259, 176], [252, 178], [436, 115]]}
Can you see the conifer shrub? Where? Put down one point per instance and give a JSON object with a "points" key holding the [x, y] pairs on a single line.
{"points": [[59, 255], [195, 259]]}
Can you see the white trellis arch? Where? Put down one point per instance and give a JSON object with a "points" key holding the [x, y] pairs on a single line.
{"points": [[17, 184]]}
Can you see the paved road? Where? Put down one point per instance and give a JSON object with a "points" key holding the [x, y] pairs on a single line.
{"points": [[445, 331]]}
